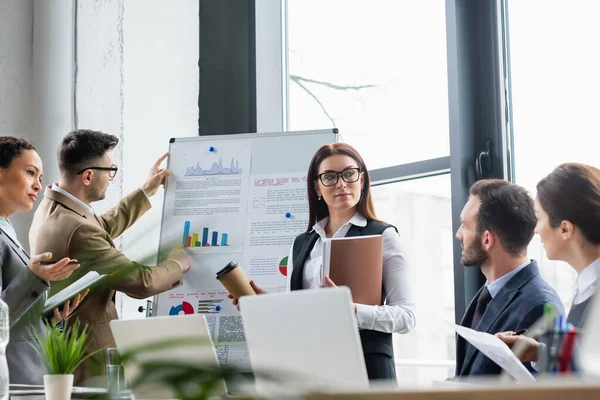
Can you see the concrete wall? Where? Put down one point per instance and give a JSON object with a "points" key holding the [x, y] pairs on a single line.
{"points": [[16, 67], [16, 77], [126, 68], [160, 101], [137, 78], [36, 79], [99, 79]]}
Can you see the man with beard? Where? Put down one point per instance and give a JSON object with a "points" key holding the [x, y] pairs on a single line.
{"points": [[66, 225], [497, 224]]}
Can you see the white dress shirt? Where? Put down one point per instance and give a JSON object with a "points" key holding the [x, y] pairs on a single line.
{"points": [[585, 285], [87, 207], [495, 287], [398, 312]]}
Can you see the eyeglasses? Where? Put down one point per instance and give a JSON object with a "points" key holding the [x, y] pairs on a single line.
{"points": [[349, 175], [112, 170]]}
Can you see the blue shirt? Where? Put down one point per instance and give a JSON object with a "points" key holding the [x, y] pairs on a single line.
{"points": [[7, 227], [495, 287]]}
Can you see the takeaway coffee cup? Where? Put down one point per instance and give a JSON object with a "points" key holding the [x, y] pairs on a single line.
{"points": [[235, 281]]}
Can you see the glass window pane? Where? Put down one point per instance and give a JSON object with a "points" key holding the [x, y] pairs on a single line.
{"points": [[375, 70], [555, 61], [421, 210]]}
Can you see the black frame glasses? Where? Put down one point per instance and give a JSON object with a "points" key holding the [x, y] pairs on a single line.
{"points": [[339, 175], [112, 170]]}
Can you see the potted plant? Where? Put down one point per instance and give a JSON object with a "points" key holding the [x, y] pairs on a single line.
{"points": [[62, 350]]}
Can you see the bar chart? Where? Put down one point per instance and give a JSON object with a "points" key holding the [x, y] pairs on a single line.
{"points": [[211, 306], [194, 239]]}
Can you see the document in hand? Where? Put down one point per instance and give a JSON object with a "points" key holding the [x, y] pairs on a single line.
{"points": [[355, 262], [90, 279], [497, 351]]}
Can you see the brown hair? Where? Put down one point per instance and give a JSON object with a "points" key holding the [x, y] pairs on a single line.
{"points": [[317, 208], [80, 147], [506, 210], [572, 193], [12, 147]]}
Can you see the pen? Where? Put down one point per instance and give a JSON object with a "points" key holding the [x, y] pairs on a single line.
{"points": [[565, 357], [546, 338], [54, 262], [520, 331], [554, 345]]}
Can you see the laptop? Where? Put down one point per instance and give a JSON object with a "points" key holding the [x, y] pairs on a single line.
{"points": [[304, 340], [129, 334]]}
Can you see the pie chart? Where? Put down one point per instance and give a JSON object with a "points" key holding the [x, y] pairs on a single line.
{"points": [[184, 307], [283, 266]]}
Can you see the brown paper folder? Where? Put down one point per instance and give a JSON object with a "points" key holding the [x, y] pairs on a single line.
{"points": [[356, 262]]}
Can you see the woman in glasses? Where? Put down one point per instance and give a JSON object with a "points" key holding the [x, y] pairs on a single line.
{"points": [[340, 205], [24, 280], [567, 207]]}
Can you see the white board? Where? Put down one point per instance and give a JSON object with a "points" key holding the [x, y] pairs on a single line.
{"points": [[243, 198]]}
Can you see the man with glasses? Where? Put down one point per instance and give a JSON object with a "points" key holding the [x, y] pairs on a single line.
{"points": [[66, 225]]}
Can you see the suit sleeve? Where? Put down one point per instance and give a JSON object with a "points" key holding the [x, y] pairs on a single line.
{"points": [[529, 318], [116, 220], [89, 245], [22, 292]]}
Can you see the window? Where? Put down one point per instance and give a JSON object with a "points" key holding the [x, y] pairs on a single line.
{"points": [[555, 85], [377, 71], [421, 210]]}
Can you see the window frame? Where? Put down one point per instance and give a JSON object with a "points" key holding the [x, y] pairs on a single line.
{"points": [[479, 103]]}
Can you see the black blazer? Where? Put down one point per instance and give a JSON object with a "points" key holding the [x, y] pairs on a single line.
{"points": [[377, 346]]}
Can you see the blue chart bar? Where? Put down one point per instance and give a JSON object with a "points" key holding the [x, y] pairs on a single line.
{"points": [[186, 232], [215, 237], [204, 236], [224, 237]]}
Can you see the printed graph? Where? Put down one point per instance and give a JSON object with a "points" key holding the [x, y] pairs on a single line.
{"points": [[283, 266], [209, 306], [183, 308], [215, 169], [192, 239]]}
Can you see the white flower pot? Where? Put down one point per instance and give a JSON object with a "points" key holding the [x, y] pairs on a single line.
{"points": [[58, 387]]}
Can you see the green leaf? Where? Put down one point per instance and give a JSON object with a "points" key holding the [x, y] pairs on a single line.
{"points": [[61, 350]]}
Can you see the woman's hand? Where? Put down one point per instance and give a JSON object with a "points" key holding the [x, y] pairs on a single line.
{"points": [[58, 271], [257, 289], [330, 283], [68, 308], [531, 346]]}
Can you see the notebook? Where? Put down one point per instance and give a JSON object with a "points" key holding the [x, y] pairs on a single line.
{"points": [[356, 262]]}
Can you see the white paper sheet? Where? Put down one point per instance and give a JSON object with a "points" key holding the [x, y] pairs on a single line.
{"points": [[497, 351], [277, 213]]}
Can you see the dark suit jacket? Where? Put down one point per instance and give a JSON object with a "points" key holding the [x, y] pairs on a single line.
{"points": [[518, 305], [25, 295]]}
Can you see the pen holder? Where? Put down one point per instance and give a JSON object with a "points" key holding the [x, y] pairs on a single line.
{"points": [[558, 355]]}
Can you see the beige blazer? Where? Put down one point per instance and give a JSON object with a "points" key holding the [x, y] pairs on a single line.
{"points": [[66, 229]]}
